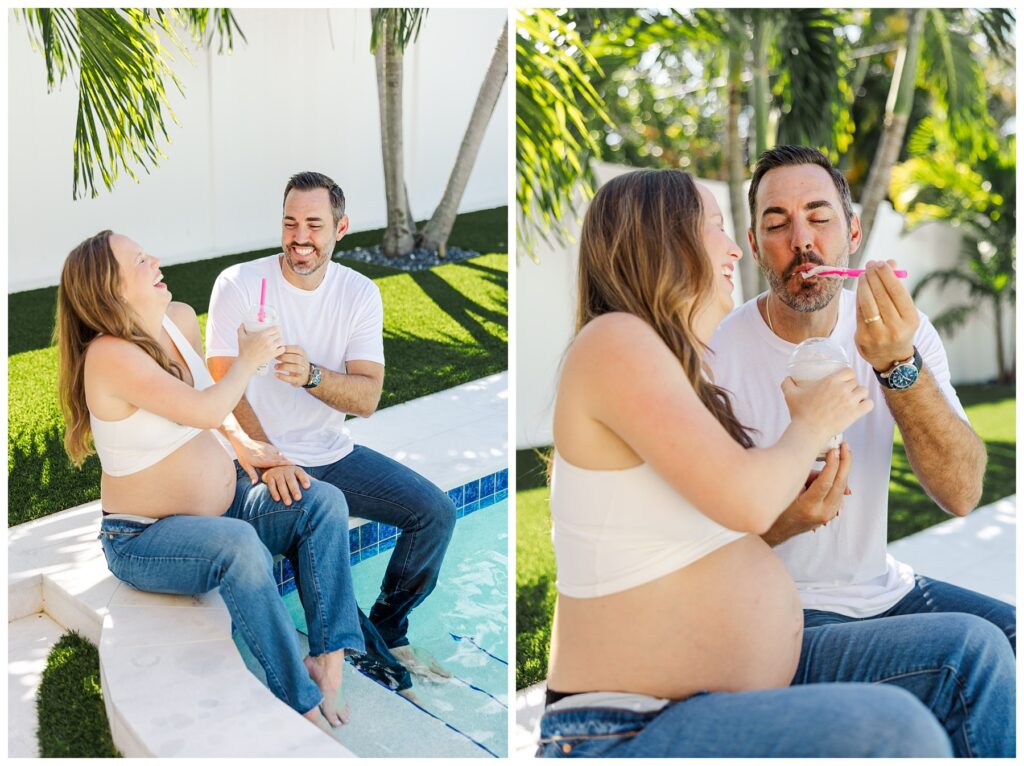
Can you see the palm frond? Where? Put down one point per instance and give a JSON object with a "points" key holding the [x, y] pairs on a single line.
{"points": [[401, 25]]}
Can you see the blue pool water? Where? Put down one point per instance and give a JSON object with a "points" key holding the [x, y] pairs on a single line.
{"points": [[464, 624]]}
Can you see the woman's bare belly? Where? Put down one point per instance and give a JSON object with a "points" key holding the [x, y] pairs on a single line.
{"points": [[196, 479], [730, 621]]}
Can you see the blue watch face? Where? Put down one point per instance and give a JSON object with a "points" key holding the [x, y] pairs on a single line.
{"points": [[903, 377]]}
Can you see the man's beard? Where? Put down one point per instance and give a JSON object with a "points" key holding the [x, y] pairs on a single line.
{"points": [[316, 262], [806, 297]]}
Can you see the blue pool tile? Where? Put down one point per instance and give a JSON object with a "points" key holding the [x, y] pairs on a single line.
{"points": [[388, 544], [488, 501], [501, 495], [457, 496], [286, 587], [501, 481], [472, 491], [287, 573], [386, 531], [353, 540], [487, 486], [472, 507], [369, 534], [353, 559], [369, 552]]}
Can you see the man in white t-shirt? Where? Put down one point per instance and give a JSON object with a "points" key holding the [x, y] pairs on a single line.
{"points": [[332, 319], [802, 216]]}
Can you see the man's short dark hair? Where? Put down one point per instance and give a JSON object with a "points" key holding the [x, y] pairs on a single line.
{"points": [[784, 156], [309, 180]]}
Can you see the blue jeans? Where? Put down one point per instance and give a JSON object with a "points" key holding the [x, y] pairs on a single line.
{"points": [[935, 596], [837, 720], [194, 554], [383, 490]]}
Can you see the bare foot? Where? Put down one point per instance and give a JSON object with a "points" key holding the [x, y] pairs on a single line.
{"points": [[407, 693], [314, 716], [420, 662], [325, 671]]}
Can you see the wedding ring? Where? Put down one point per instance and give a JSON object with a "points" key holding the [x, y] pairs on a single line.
{"points": [[875, 318]]}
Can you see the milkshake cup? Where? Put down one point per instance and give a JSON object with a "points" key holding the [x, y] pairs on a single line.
{"points": [[812, 360], [253, 323]]}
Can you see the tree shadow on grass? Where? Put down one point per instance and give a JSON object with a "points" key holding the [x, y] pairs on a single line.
{"points": [[535, 605], [41, 479], [465, 312]]}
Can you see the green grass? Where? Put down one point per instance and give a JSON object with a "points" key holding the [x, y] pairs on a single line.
{"points": [[69, 703], [991, 409], [442, 327]]}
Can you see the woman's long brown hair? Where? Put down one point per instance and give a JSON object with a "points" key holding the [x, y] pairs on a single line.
{"points": [[642, 252], [89, 303]]}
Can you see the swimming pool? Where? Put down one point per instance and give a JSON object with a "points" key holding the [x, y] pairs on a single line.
{"points": [[464, 624]]}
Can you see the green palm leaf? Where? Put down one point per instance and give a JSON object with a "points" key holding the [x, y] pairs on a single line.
{"points": [[122, 71]]}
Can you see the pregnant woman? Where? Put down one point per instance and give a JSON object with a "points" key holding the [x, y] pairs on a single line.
{"points": [[179, 516], [677, 631]]}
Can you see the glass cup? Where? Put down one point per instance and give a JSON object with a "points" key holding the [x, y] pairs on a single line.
{"points": [[253, 323], [814, 359]]}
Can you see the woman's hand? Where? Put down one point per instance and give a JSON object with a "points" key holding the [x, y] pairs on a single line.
{"points": [[256, 348], [828, 406], [253, 454]]}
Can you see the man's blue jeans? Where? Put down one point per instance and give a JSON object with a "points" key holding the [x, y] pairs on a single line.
{"points": [[383, 490], [194, 554], [935, 596]]}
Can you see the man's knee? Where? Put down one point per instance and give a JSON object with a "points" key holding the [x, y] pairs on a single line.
{"points": [[323, 501]]}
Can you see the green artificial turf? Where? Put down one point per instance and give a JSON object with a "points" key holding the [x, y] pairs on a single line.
{"points": [[992, 411], [442, 327], [69, 703]]}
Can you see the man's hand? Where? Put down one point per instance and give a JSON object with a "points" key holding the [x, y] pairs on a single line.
{"points": [[886, 317], [253, 454], [819, 503], [293, 366], [283, 483]]}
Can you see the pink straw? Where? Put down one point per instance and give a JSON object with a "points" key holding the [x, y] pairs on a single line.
{"points": [[261, 316]]}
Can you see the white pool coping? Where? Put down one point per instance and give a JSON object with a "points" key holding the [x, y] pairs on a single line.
{"points": [[208, 703], [977, 552]]}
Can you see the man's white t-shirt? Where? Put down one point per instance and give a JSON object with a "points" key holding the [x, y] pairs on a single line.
{"points": [[342, 320], [843, 567]]}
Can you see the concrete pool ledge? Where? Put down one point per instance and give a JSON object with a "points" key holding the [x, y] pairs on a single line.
{"points": [[174, 683]]}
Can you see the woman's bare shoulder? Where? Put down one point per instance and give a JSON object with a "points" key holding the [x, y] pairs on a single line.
{"points": [[618, 338], [184, 316]]}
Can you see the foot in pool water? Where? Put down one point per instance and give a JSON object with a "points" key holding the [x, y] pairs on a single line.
{"points": [[325, 671], [420, 662]]}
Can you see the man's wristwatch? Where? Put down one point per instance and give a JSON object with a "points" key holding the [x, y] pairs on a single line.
{"points": [[902, 375], [314, 376]]}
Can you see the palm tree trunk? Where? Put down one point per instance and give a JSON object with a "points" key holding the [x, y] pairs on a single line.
{"points": [[398, 236], [439, 228], [897, 114], [749, 273], [762, 98]]}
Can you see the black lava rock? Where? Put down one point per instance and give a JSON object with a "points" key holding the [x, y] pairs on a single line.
{"points": [[419, 259]]}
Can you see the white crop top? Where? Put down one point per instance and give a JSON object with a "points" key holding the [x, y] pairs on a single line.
{"points": [[143, 439], [615, 530]]}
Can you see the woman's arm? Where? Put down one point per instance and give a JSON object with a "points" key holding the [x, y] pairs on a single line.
{"points": [[124, 371], [627, 380]]}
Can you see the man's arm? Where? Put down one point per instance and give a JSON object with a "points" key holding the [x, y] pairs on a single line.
{"points": [[244, 415], [355, 391], [947, 456]]}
